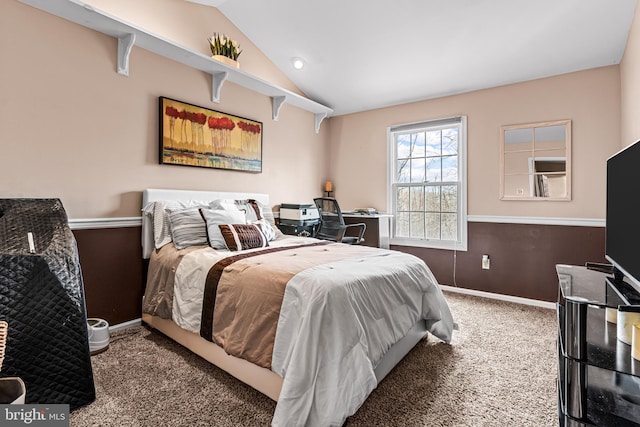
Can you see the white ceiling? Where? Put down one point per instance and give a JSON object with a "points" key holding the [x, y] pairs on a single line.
{"points": [[366, 54]]}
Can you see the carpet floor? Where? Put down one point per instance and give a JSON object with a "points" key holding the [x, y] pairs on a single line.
{"points": [[500, 370]]}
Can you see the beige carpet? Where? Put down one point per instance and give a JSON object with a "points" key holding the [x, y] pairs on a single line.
{"points": [[500, 370]]}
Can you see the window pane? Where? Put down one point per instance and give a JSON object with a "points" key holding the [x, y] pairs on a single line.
{"points": [[402, 169], [450, 141], [434, 169], [450, 198], [449, 226], [417, 199], [411, 145], [402, 199], [417, 170], [403, 145], [417, 225], [433, 199], [418, 144], [450, 168], [433, 143], [402, 224], [433, 226]]}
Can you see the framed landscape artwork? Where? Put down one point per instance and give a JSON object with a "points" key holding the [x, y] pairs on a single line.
{"points": [[197, 136]]}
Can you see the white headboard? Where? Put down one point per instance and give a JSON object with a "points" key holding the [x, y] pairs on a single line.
{"points": [[157, 194]]}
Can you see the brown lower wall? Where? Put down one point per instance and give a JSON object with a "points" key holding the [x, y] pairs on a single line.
{"points": [[523, 259], [112, 269]]}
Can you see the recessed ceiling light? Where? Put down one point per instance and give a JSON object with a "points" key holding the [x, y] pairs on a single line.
{"points": [[298, 63]]}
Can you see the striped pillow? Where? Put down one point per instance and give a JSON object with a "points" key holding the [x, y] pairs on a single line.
{"points": [[239, 237], [187, 228]]}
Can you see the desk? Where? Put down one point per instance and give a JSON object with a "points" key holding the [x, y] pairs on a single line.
{"points": [[378, 229]]}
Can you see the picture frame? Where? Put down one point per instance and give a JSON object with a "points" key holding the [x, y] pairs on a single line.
{"points": [[191, 135]]}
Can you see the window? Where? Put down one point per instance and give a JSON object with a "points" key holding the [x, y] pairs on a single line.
{"points": [[428, 185]]}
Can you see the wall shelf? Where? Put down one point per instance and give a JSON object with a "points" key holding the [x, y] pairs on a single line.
{"points": [[129, 35]]}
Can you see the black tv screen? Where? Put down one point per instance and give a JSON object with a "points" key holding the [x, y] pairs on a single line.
{"points": [[623, 212]]}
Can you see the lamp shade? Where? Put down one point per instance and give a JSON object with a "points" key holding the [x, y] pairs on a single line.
{"points": [[328, 186]]}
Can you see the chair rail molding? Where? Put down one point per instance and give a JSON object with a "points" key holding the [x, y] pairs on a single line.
{"points": [[129, 35], [92, 223], [580, 222]]}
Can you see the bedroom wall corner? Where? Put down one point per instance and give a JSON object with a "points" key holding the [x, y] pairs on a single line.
{"points": [[630, 85]]}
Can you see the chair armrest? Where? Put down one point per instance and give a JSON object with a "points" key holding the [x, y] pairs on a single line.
{"points": [[362, 227]]}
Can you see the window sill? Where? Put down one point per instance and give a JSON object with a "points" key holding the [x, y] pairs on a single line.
{"points": [[431, 244]]}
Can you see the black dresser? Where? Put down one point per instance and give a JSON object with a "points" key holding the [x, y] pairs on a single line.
{"points": [[598, 380]]}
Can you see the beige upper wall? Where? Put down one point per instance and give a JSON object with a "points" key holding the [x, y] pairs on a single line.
{"points": [[591, 99], [190, 24], [630, 84], [73, 128]]}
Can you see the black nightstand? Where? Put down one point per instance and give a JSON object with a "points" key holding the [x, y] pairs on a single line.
{"points": [[307, 230]]}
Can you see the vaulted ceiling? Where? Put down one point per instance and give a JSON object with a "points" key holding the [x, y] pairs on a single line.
{"points": [[366, 54]]}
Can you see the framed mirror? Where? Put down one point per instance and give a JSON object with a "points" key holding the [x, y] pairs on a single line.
{"points": [[535, 161]]}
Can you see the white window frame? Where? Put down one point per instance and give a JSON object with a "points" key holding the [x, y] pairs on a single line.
{"points": [[461, 243]]}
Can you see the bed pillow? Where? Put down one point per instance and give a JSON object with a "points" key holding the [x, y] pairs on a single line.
{"points": [[266, 228], [267, 213], [159, 211], [253, 209], [239, 237], [249, 207], [215, 217], [187, 228]]}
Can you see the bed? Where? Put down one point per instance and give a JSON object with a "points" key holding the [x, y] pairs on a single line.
{"points": [[314, 325]]}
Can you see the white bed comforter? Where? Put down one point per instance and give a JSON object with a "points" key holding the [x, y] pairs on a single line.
{"points": [[336, 322]]}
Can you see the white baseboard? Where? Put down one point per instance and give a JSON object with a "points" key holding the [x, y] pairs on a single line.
{"points": [[125, 325], [518, 300]]}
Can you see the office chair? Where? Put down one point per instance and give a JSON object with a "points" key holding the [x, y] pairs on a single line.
{"points": [[332, 226]]}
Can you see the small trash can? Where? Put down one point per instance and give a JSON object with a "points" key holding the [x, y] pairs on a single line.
{"points": [[98, 332], [12, 389]]}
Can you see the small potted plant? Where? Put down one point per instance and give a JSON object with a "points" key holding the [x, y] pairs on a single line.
{"points": [[224, 49]]}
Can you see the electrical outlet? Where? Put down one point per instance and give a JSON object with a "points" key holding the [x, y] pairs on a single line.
{"points": [[486, 262]]}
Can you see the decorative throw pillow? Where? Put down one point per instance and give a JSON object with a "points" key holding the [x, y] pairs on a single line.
{"points": [[215, 217], [239, 237], [266, 228], [187, 228]]}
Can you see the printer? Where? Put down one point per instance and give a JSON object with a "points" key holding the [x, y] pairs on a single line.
{"points": [[298, 219], [298, 214]]}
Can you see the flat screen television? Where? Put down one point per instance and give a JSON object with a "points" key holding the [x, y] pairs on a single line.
{"points": [[623, 213]]}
